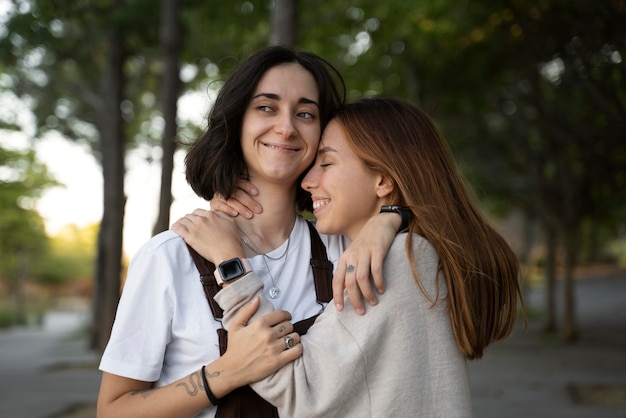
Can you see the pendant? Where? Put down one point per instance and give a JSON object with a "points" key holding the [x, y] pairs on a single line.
{"points": [[274, 292]]}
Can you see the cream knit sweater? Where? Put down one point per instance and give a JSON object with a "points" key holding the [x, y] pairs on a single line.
{"points": [[400, 359]]}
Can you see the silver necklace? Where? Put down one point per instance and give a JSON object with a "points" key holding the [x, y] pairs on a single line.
{"points": [[274, 291], [257, 252]]}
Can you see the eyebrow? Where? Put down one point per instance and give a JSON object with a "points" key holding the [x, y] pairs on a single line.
{"points": [[273, 96], [325, 150]]}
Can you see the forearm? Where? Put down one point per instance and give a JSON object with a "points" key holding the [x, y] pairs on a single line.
{"points": [[121, 397]]}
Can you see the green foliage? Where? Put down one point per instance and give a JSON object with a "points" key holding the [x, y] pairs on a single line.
{"points": [[71, 256], [531, 95], [55, 55], [22, 179], [554, 122]]}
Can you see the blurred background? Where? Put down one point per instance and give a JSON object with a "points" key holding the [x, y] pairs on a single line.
{"points": [[98, 100]]}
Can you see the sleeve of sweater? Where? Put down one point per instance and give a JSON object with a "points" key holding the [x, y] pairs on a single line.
{"points": [[331, 374]]}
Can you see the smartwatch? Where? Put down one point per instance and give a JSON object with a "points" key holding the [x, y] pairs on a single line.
{"points": [[231, 270], [405, 214]]}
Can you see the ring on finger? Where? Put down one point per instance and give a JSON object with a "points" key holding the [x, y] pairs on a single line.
{"points": [[290, 342], [350, 268]]}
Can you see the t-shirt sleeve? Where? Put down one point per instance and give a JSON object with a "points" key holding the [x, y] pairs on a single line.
{"points": [[142, 327]]}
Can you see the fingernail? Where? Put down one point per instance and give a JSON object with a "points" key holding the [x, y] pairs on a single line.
{"points": [[248, 214], [360, 311], [380, 290], [339, 307], [374, 302], [257, 209]]}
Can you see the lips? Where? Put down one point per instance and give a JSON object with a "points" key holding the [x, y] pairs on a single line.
{"points": [[280, 147]]}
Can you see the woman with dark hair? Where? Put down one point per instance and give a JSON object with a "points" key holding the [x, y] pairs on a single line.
{"points": [[168, 355], [451, 280], [215, 163]]}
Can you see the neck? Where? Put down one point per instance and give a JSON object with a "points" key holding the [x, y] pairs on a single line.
{"points": [[271, 228]]}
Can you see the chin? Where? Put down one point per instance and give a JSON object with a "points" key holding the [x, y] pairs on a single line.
{"points": [[325, 229]]}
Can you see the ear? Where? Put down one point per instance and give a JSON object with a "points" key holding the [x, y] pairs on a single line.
{"points": [[384, 186]]}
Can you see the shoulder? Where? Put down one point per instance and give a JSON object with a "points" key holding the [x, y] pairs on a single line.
{"points": [[164, 242], [424, 257], [420, 246], [165, 248]]}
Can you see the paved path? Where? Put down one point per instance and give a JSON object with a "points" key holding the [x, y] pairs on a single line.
{"points": [[47, 371], [532, 375]]}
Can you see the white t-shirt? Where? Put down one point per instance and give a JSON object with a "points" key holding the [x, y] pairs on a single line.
{"points": [[164, 329]]}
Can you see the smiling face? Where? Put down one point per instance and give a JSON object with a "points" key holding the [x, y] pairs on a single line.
{"points": [[281, 126], [345, 192]]}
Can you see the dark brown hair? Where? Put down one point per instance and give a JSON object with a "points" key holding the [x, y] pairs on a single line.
{"points": [[401, 142], [215, 161]]}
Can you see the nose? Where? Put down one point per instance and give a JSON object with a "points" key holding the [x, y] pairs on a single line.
{"points": [[284, 126], [311, 179]]}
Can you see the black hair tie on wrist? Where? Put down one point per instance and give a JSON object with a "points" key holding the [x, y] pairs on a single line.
{"points": [[207, 389], [405, 214]]}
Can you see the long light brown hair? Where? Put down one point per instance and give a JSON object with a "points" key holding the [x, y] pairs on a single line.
{"points": [[400, 141]]}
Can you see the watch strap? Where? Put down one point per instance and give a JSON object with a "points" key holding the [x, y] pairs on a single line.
{"points": [[405, 215]]}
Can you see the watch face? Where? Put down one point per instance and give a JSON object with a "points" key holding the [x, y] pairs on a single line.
{"points": [[231, 269]]}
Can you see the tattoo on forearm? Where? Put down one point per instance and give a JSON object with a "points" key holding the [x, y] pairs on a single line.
{"points": [[192, 384]]}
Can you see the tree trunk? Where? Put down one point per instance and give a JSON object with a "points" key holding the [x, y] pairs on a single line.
{"points": [[108, 269], [570, 328], [549, 325], [170, 40], [283, 23], [528, 254], [20, 287]]}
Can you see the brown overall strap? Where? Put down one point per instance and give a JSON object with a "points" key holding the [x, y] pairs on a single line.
{"points": [[244, 402], [322, 268]]}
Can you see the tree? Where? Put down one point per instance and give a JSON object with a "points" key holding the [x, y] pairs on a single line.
{"points": [[22, 180], [170, 36], [111, 128], [283, 23]]}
